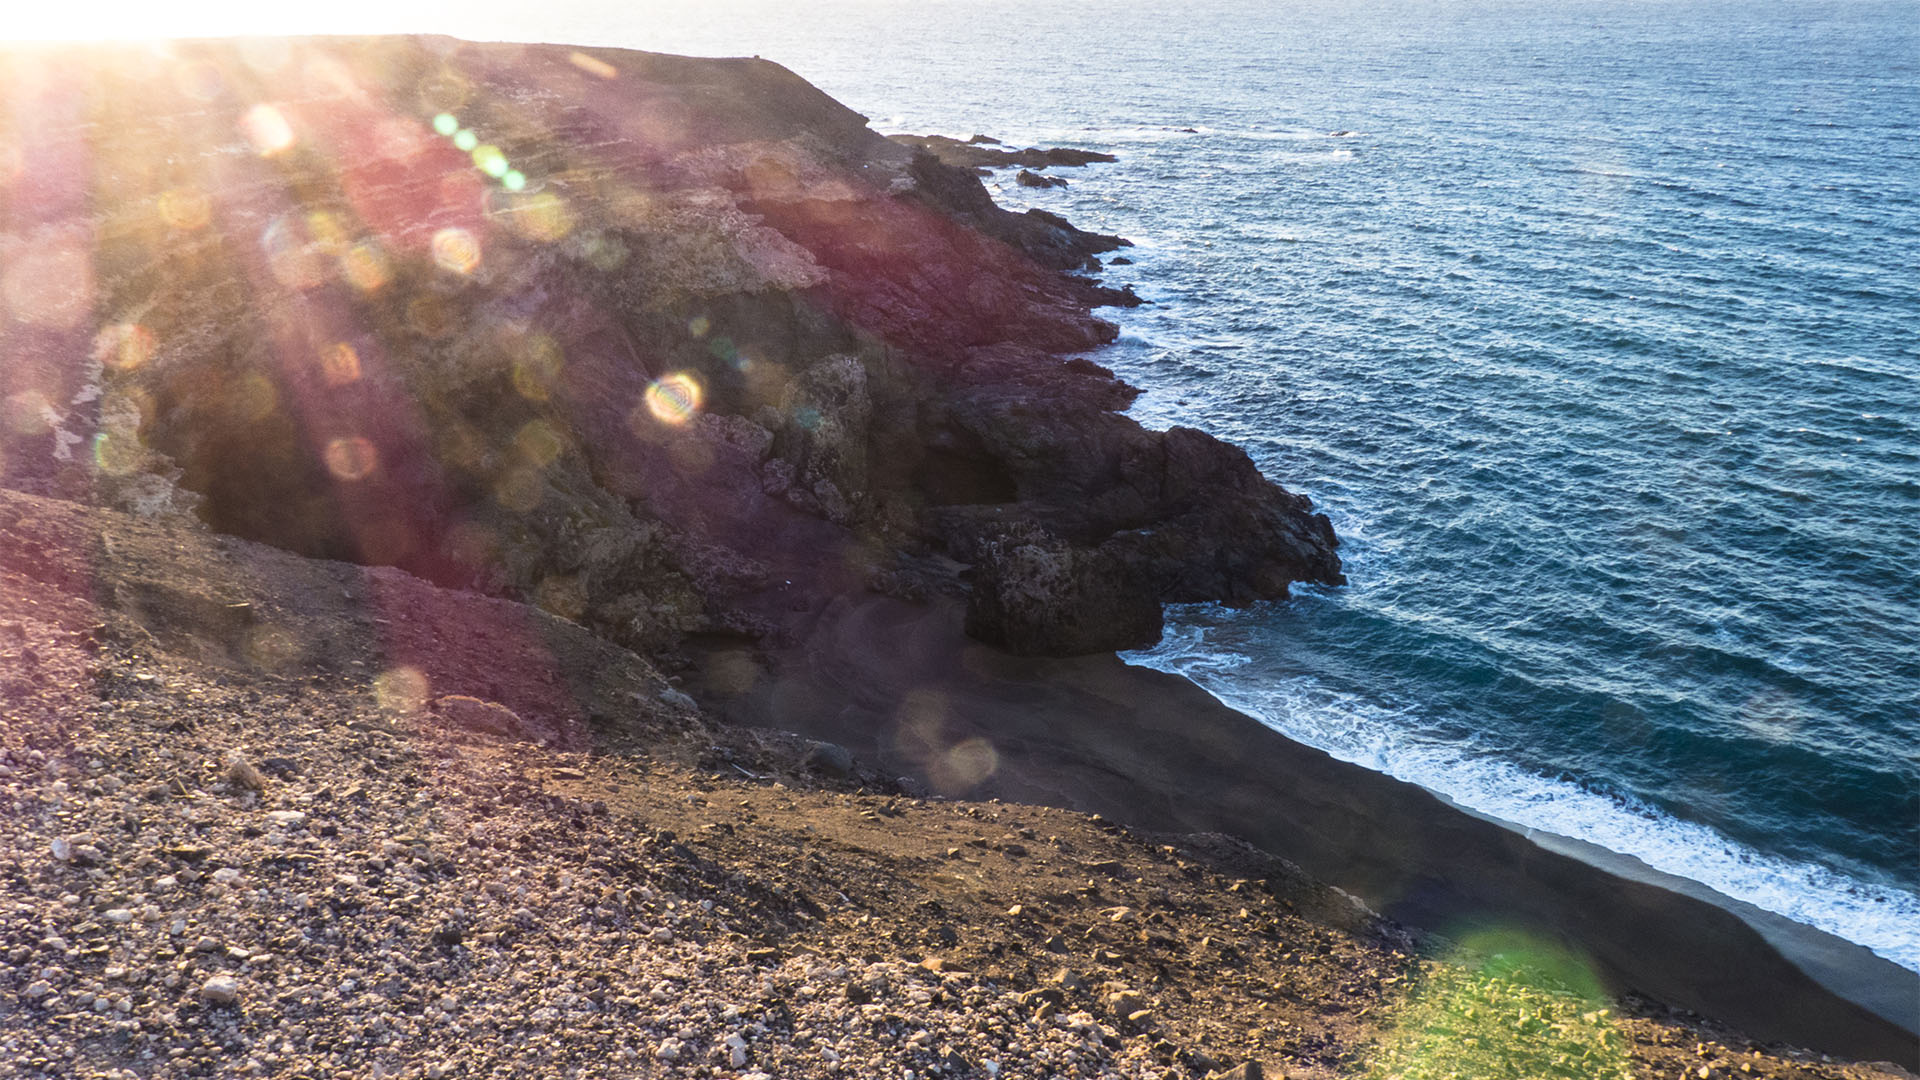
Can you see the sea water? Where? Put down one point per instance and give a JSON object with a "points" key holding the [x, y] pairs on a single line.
{"points": [[1595, 327]]}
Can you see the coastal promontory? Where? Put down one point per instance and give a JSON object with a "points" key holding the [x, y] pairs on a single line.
{"points": [[534, 560]]}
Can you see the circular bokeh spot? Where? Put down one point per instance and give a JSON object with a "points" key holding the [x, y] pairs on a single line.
{"points": [[675, 398], [352, 457], [402, 689], [340, 364], [185, 208], [456, 250], [124, 346]]}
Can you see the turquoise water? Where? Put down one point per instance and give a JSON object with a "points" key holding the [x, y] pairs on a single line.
{"points": [[1598, 337]]}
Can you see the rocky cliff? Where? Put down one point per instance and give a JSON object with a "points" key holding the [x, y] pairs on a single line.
{"points": [[668, 346]]}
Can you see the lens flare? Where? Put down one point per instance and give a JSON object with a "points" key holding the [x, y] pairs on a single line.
{"points": [[185, 208], [351, 458], [124, 346], [699, 325], [271, 647], [488, 159], [254, 398], [364, 266], [446, 124], [340, 365], [514, 180], [674, 399], [541, 216], [50, 283], [456, 251], [593, 65], [397, 140], [267, 129], [118, 453], [293, 258], [604, 252], [403, 689], [539, 443], [30, 413], [465, 140], [1505, 1005], [326, 231], [964, 766], [535, 371]]}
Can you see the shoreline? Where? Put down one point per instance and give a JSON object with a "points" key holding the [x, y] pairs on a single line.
{"points": [[899, 684]]}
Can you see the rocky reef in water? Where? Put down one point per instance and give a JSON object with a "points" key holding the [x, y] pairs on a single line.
{"points": [[667, 346]]}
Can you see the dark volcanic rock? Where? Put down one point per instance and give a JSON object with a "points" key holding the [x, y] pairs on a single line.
{"points": [[1035, 180], [664, 345], [1036, 595], [973, 154]]}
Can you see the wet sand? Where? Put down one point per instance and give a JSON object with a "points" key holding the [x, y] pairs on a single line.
{"points": [[898, 683]]}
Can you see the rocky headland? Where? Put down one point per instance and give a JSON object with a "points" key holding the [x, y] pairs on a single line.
{"points": [[435, 474]]}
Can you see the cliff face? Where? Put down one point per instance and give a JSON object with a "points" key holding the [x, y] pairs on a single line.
{"points": [[666, 345]]}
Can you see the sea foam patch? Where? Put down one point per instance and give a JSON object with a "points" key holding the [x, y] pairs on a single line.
{"points": [[1401, 744]]}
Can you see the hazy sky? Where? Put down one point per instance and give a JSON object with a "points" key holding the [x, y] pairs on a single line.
{"points": [[572, 20]]}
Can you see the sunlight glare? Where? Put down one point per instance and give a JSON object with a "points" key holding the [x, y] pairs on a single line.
{"points": [[267, 129]]}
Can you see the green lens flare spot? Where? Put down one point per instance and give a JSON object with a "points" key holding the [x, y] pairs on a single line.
{"points": [[445, 124], [489, 160], [466, 140], [514, 180]]}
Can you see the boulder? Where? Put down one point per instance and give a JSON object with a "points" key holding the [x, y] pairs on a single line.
{"points": [[1033, 594]]}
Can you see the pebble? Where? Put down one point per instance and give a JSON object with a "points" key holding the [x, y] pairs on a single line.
{"points": [[670, 1050], [220, 990], [119, 915], [287, 819]]}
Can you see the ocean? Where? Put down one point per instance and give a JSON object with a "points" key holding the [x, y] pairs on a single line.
{"points": [[1595, 327]]}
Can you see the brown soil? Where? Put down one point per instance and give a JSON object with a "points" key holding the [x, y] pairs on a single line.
{"points": [[391, 893]]}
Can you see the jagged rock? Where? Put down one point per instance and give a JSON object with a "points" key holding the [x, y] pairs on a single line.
{"points": [[1035, 595], [1028, 178]]}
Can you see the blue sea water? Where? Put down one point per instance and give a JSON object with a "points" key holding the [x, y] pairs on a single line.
{"points": [[1597, 334]]}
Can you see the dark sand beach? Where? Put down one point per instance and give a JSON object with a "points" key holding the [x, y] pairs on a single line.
{"points": [[900, 684]]}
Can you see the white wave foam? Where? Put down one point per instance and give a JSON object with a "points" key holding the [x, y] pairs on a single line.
{"points": [[1399, 744]]}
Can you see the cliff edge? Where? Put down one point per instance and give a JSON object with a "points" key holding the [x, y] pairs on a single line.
{"points": [[668, 346]]}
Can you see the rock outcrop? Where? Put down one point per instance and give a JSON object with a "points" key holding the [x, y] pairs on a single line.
{"points": [[664, 345], [980, 153]]}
